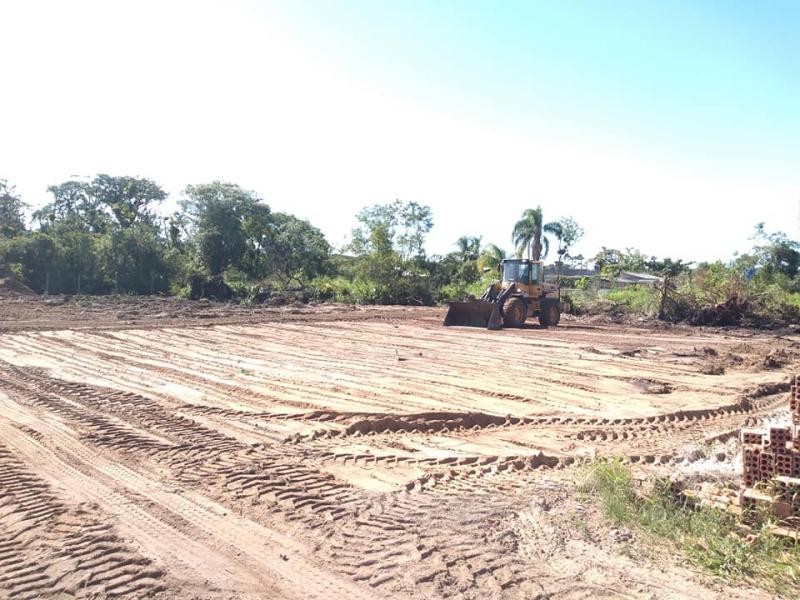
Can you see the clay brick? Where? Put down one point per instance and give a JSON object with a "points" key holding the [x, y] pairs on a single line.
{"points": [[766, 465], [795, 466], [752, 437], [784, 464], [751, 472], [777, 438], [788, 489]]}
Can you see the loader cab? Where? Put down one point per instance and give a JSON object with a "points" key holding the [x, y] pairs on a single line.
{"points": [[521, 271]]}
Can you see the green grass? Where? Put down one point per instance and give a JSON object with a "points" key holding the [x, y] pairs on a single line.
{"points": [[635, 298], [792, 298], [710, 538]]}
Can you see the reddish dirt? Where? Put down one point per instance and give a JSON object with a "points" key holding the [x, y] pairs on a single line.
{"points": [[196, 450], [11, 288]]}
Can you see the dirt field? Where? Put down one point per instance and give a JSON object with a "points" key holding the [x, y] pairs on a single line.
{"points": [[204, 451]]}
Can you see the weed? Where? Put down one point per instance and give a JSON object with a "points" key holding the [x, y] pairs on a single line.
{"points": [[709, 537]]}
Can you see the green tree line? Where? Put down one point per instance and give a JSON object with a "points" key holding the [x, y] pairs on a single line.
{"points": [[110, 234]]}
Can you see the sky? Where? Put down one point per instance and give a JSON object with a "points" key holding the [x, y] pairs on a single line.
{"points": [[671, 127]]}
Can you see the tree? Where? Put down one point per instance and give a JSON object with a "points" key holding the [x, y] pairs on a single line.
{"points": [[296, 250], [469, 247], [490, 257], [611, 262], [12, 220], [74, 207], [217, 213], [81, 272], [527, 234], [389, 245], [133, 259], [258, 227], [669, 270], [128, 198], [403, 226], [96, 206], [776, 253], [177, 229], [33, 257], [567, 231]]}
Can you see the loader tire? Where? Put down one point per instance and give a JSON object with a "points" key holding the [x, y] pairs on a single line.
{"points": [[515, 312], [549, 314]]}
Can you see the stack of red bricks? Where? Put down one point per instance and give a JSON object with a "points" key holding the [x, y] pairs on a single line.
{"points": [[771, 456]]}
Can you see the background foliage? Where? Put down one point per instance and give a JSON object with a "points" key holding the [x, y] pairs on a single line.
{"points": [[110, 235]]}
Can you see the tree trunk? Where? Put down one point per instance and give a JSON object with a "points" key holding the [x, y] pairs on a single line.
{"points": [[662, 310], [537, 249]]}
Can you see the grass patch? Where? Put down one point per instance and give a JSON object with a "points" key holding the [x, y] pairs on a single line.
{"points": [[710, 538], [635, 298]]}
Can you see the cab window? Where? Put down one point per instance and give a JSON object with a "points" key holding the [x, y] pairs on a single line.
{"points": [[517, 271]]}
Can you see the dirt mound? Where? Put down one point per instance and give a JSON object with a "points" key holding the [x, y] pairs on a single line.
{"points": [[214, 288], [10, 287], [724, 314]]}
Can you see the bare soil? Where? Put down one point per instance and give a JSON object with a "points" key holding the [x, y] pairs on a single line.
{"points": [[156, 447]]}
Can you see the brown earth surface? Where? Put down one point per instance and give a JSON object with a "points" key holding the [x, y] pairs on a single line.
{"points": [[156, 447]]}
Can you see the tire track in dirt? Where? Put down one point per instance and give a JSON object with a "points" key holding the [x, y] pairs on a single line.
{"points": [[432, 377], [250, 554], [49, 549], [252, 476], [623, 430], [162, 465], [669, 425], [425, 380], [197, 452], [297, 488], [149, 415]]}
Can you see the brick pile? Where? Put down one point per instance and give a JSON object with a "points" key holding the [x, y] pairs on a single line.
{"points": [[771, 457]]}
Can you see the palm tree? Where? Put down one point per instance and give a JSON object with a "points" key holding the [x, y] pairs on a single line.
{"points": [[490, 257], [493, 253], [469, 248], [528, 234], [557, 231], [567, 231]]}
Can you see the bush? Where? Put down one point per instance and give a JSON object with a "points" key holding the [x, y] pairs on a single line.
{"points": [[458, 290], [642, 300], [635, 298]]}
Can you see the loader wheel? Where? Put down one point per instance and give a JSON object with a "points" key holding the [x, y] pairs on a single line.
{"points": [[514, 312], [550, 314]]}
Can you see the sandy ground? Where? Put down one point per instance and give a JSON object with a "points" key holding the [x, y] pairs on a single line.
{"points": [[166, 449]]}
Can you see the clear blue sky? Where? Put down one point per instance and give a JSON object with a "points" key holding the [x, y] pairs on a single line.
{"points": [[670, 127]]}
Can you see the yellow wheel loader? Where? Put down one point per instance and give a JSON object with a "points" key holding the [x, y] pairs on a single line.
{"points": [[520, 293]]}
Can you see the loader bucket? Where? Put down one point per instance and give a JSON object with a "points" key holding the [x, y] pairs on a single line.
{"points": [[475, 313]]}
